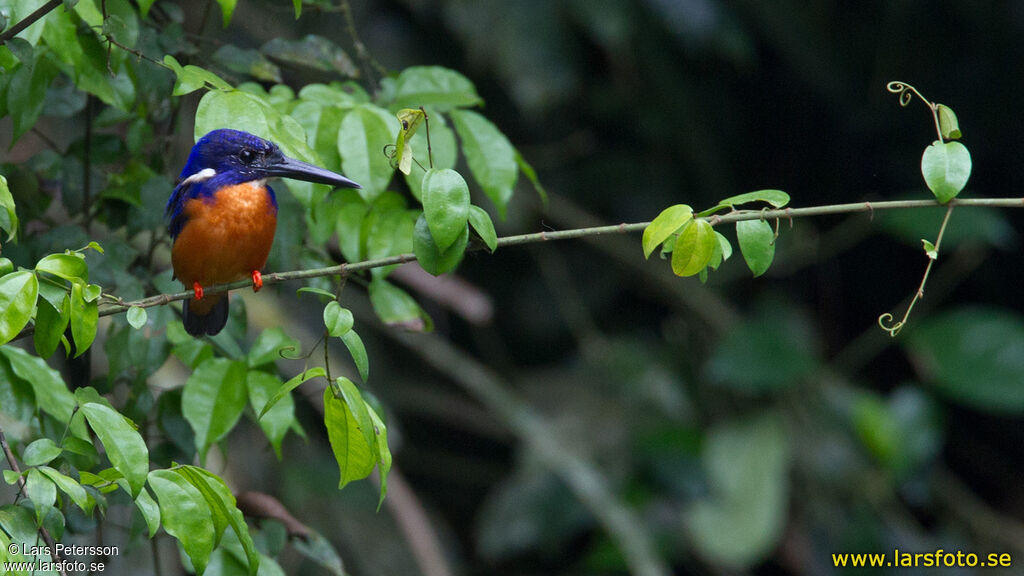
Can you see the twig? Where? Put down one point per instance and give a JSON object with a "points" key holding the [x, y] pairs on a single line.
{"points": [[29, 20], [546, 236], [50, 545]]}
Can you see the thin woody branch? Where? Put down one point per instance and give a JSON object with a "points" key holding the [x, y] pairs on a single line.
{"points": [[546, 236]]}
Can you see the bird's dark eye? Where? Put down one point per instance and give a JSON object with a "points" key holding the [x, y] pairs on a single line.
{"points": [[246, 156]]}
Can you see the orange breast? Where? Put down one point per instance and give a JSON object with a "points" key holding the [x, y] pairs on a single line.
{"points": [[226, 236]]}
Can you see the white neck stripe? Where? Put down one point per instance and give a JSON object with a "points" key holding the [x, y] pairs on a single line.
{"points": [[204, 174]]}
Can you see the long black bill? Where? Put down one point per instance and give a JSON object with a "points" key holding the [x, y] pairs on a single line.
{"points": [[290, 168]]}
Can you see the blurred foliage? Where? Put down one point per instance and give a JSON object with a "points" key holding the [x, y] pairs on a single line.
{"points": [[750, 425]]}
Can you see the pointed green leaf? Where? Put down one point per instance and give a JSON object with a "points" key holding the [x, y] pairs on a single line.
{"points": [[185, 515], [358, 351], [490, 156], [42, 492], [50, 325], [125, 448], [397, 309], [9, 216], [949, 126], [946, 167], [67, 266], [481, 222], [445, 196], [150, 511], [353, 454], [213, 400], [383, 452], [665, 225], [223, 508], [70, 487], [228, 8], [694, 248], [290, 385], [18, 291], [84, 318], [757, 243]]}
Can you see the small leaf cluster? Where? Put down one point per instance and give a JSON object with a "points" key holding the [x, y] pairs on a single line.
{"points": [[696, 247]]}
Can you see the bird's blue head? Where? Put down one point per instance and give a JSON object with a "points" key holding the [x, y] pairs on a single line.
{"points": [[233, 157], [228, 157]]}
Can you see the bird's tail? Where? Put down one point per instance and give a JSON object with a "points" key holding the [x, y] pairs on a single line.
{"points": [[207, 316]]}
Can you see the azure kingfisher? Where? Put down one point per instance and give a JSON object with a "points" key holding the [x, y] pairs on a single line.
{"points": [[223, 217]]}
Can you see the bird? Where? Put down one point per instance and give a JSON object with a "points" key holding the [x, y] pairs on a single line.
{"points": [[222, 217]]}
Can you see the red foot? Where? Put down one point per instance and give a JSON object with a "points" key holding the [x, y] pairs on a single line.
{"points": [[198, 289], [257, 281]]}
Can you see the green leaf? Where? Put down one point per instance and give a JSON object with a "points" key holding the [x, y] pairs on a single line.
{"points": [[275, 422], [248, 62], [359, 410], [125, 448], [946, 167], [51, 393], [443, 151], [971, 356], [136, 317], [18, 291], [694, 248], [361, 140], [383, 453], [338, 320], [270, 344], [70, 487], [191, 78], [290, 385], [397, 309], [213, 400], [223, 508], [349, 223], [84, 317], [41, 451], [445, 197], [351, 450], [27, 89], [315, 290], [665, 225], [757, 243], [228, 8], [743, 520], [776, 198], [185, 515], [490, 156], [431, 259], [726, 247], [531, 175], [67, 266], [42, 492], [9, 217], [254, 114], [150, 511], [949, 126], [358, 351], [434, 86], [311, 51], [481, 222], [298, 8]]}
